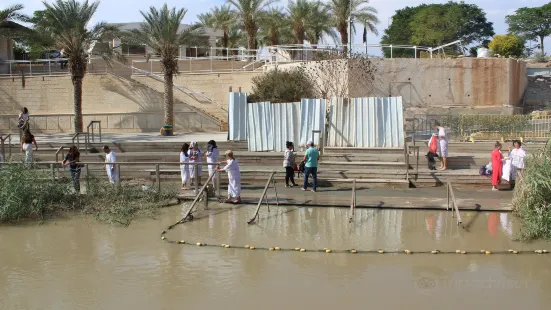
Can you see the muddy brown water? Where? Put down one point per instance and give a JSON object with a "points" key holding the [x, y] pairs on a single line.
{"points": [[79, 263]]}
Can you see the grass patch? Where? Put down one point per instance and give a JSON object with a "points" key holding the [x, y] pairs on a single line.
{"points": [[27, 193], [532, 196]]}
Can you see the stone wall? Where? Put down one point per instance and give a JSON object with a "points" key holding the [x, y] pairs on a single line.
{"points": [[441, 86], [102, 94], [216, 85]]}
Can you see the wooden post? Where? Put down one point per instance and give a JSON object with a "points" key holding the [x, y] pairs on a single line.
{"points": [[52, 171], [230, 89], [158, 178], [118, 169], [87, 171], [448, 196], [206, 198], [275, 190], [218, 191], [196, 176]]}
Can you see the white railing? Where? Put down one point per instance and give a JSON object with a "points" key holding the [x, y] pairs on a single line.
{"points": [[40, 67]]}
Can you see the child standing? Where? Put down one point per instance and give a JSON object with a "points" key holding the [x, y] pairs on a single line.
{"points": [[195, 157]]}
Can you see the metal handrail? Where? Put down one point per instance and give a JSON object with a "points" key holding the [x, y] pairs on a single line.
{"points": [[59, 150], [188, 212], [182, 88], [416, 149], [88, 131], [77, 137], [451, 194], [3, 140], [264, 192], [353, 202]]}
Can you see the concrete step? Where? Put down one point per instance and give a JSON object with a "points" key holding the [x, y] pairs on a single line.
{"points": [[354, 150]]}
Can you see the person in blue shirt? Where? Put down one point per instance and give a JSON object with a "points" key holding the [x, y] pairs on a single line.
{"points": [[311, 166]]}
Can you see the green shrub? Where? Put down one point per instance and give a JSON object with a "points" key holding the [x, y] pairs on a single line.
{"points": [[532, 196], [29, 193], [281, 86]]}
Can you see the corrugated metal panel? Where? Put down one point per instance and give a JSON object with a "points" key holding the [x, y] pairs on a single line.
{"points": [[367, 122], [259, 127], [237, 116], [341, 129], [312, 117], [286, 124]]}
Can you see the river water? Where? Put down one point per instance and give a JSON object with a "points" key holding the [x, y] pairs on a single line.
{"points": [[79, 263]]}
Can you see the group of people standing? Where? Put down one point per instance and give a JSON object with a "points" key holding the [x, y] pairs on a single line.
{"points": [[190, 168], [507, 167], [310, 162]]}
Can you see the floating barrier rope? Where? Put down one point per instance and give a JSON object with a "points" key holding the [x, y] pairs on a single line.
{"points": [[349, 251]]}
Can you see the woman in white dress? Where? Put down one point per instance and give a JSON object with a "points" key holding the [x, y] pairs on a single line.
{"points": [[110, 168], [195, 157], [443, 141], [234, 176], [27, 147], [213, 156], [517, 159], [184, 169]]}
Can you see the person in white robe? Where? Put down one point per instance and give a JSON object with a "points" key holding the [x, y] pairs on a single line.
{"points": [[234, 176], [184, 169], [110, 167], [517, 159], [195, 157], [213, 156]]}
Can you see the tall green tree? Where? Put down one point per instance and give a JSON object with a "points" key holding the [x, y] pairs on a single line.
{"points": [[436, 24], [399, 32], [219, 18], [65, 26], [274, 27], [531, 23], [249, 13], [508, 45], [10, 22], [162, 31], [361, 12]]}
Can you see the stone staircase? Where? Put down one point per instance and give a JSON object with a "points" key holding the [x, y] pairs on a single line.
{"points": [[198, 102]]}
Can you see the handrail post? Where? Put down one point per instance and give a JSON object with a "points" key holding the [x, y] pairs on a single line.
{"points": [[218, 191], [448, 195], [87, 178], [353, 202], [275, 189], [52, 171], [3, 150], [196, 178], [158, 178]]}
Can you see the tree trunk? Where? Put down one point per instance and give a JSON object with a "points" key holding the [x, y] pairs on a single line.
{"points": [[169, 99], [225, 40], [344, 39], [77, 102], [542, 50], [250, 39]]}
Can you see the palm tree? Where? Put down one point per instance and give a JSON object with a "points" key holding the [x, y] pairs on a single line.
{"points": [[65, 27], [249, 13], [9, 22], [299, 14], [319, 26], [340, 10], [163, 32], [274, 28], [236, 38], [219, 18]]}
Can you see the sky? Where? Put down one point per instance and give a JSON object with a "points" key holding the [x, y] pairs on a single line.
{"points": [[116, 11]]}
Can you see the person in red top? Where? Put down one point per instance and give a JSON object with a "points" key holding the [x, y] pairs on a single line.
{"points": [[497, 166]]}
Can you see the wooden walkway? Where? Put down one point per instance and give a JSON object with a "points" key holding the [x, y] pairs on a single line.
{"points": [[433, 198]]}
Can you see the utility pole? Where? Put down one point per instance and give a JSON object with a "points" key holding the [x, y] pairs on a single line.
{"points": [[350, 28]]}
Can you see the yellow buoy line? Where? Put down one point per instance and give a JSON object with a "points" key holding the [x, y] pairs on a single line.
{"points": [[350, 251]]}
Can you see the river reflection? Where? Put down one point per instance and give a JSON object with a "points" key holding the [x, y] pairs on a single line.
{"points": [[82, 264]]}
